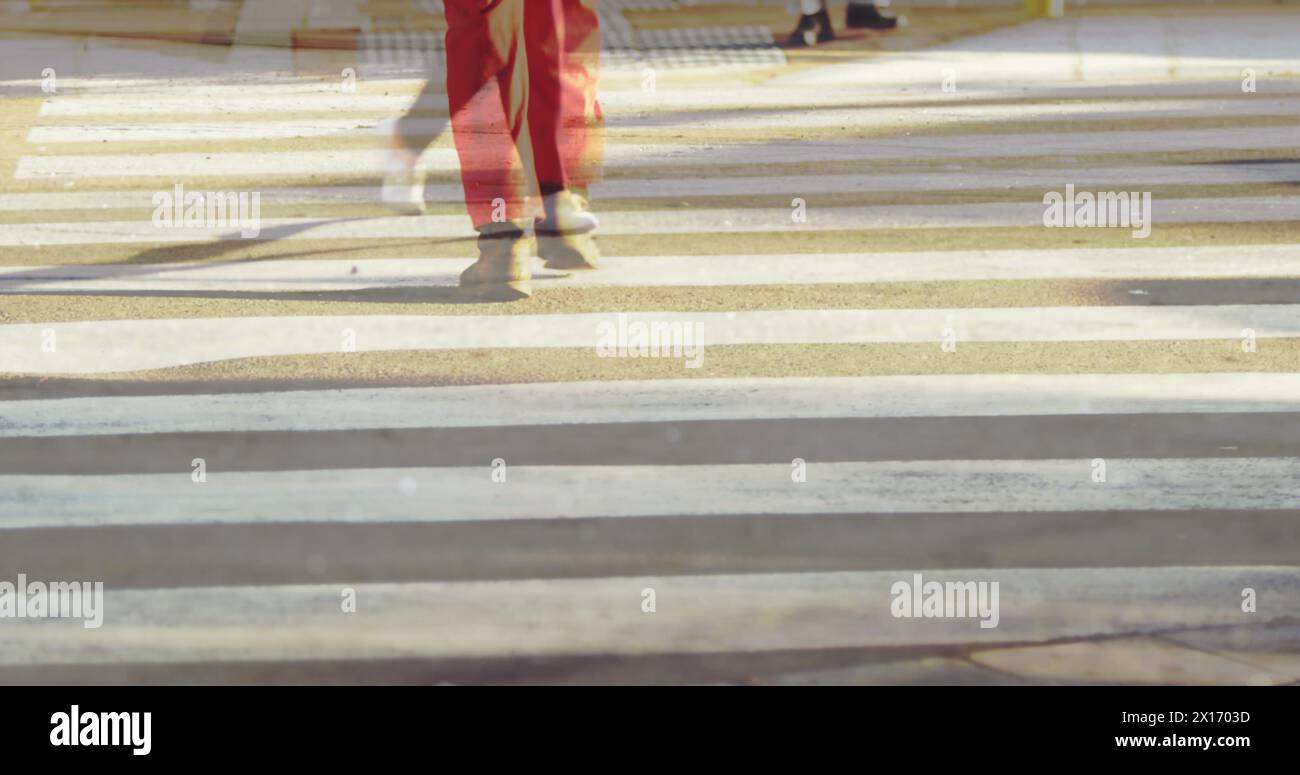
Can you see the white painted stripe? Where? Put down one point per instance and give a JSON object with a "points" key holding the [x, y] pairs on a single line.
{"points": [[217, 130], [957, 113], [1094, 179], [262, 100], [685, 221], [1218, 262], [143, 198], [127, 97], [201, 100], [101, 347], [696, 614], [567, 403], [209, 85], [1112, 178], [919, 148], [863, 118], [1048, 178], [256, 94], [1111, 47], [561, 492], [1024, 62]]}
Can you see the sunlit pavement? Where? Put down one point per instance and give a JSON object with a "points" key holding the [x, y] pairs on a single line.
{"points": [[293, 452]]}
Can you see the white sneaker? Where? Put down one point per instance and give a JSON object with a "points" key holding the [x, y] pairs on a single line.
{"points": [[565, 213], [403, 188]]}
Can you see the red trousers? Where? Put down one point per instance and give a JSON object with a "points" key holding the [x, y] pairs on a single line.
{"points": [[521, 86]]}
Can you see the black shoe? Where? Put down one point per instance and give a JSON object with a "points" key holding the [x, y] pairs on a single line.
{"points": [[812, 28], [805, 32], [824, 32], [866, 15]]}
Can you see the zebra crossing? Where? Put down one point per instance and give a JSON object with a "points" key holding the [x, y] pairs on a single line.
{"points": [[726, 47], [975, 395], [298, 456], [106, 347]]}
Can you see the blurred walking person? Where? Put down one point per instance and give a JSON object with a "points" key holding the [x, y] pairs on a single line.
{"points": [[521, 85], [814, 24]]}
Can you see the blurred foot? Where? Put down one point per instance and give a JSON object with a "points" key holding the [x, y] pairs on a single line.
{"points": [[569, 252], [403, 188], [502, 271], [565, 213], [867, 16], [811, 29]]}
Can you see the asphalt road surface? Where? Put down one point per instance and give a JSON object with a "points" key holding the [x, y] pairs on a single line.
{"points": [[305, 457]]}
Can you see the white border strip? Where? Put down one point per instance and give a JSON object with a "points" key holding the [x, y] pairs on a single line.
{"points": [[103, 347], [570, 403]]}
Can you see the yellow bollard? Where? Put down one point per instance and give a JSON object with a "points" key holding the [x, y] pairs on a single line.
{"points": [[1053, 8]]}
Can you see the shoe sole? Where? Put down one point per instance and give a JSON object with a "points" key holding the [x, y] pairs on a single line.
{"points": [[511, 291], [558, 253]]}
